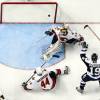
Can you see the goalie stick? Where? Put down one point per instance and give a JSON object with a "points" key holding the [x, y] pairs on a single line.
{"points": [[92, 31], [41, 38], [34, 45], [25, 83]]}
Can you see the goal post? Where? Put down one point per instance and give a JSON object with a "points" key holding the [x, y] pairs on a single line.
{"points": [[29, 12]]}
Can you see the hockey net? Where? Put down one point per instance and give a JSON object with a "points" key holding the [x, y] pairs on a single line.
{"points": [[28, 12]]}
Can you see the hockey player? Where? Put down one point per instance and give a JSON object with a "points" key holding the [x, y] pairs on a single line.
{"points": [[44, 79], [93, 68], [2, 96], [64, 34], [61, 35]]}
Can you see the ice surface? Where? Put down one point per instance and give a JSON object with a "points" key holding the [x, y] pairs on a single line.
{"points": [[22, 45], [11, 79]]}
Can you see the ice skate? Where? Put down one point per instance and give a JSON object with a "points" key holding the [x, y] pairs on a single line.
{"points": [[79, 90]]}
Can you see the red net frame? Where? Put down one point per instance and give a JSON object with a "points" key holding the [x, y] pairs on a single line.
{"points": [[28, 3]]}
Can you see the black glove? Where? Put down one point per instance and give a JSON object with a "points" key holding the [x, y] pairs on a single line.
{"points": [[24, 85], [48, 33], [84, 45]]}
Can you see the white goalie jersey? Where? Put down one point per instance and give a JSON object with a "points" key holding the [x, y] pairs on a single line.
{"points": [[61, 35]]}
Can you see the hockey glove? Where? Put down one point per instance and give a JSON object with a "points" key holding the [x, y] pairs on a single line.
{"points": [[84, 45], [81, 39], [24, 85]]}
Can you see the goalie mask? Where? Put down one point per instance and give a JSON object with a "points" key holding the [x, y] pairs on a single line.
{"points": [[64, 29], [39, 71], [94, 57]]}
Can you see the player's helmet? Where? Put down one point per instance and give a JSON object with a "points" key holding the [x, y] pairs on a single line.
{"points": [[52, 74], [94, 57], [39, 71]]}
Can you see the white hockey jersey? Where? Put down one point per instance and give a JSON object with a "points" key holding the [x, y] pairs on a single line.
{"points": [[93, 69]]}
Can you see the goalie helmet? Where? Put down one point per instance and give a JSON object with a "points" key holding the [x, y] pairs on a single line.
{"points": [[39, 71], [64, 29], [94, 57]]}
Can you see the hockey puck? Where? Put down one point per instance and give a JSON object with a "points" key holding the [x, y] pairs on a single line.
{"points": [[49, 15]]}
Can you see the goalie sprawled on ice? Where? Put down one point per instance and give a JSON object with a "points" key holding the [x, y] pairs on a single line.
{"points": [[44, 79], [61, 35]]}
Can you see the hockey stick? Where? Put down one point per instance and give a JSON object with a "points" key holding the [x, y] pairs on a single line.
{"points": [[36, 43], [92, 31], [25, 83], [41, 38]]}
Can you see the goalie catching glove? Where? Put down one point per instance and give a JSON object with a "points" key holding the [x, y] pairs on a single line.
{"points": [[49, 33]]}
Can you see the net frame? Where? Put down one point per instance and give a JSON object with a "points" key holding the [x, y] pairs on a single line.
{"points": [[29, 3]]}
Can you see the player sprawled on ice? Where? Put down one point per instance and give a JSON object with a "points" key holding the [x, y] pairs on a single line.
{"points": [[44, 79], [2, 96], [61, 35], [93, 68]]}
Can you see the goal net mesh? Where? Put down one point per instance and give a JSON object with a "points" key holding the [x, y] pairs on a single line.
{"points": [[32, 12]]}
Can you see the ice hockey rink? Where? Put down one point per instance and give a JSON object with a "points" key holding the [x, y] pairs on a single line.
{"points": [[25, 47], [78, 13]]}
